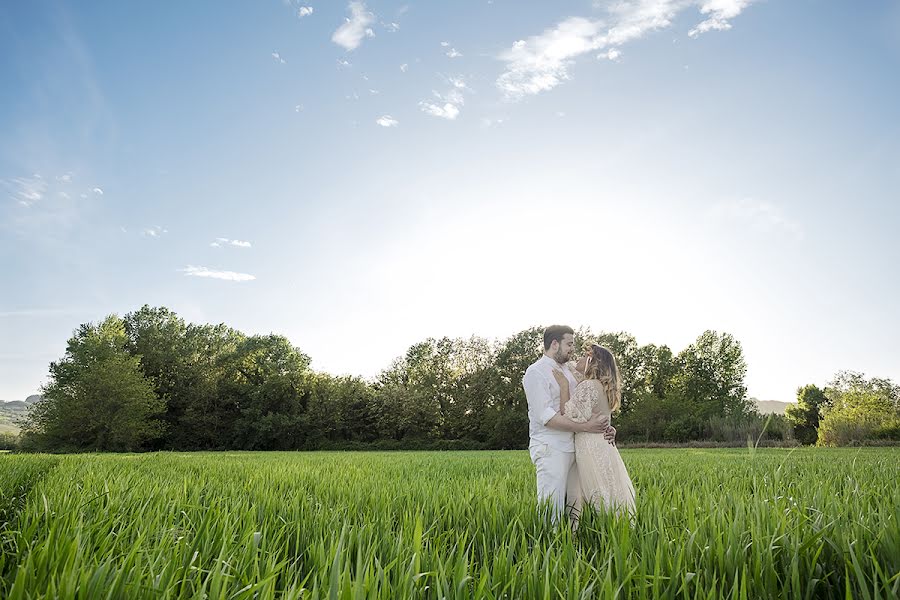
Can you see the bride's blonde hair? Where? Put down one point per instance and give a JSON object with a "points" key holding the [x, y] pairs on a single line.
{"points": [[601, 365]]}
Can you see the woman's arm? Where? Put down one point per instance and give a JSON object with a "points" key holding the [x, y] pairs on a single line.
{"points": [[563, 382]]}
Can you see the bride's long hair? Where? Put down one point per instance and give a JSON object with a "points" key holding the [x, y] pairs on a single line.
{"points": [[601, 365]]}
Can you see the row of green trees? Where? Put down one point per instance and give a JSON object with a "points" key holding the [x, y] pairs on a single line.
{"points": [[850, 410], [150, 381]]}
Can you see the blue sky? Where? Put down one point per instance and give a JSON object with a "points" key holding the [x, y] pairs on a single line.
{"points": [[361, 176]]}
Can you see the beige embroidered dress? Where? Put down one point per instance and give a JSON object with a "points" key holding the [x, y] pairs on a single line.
{"points": [[602, 476]]}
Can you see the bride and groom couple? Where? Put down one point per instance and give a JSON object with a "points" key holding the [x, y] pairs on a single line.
{"points": [[573, 445]]}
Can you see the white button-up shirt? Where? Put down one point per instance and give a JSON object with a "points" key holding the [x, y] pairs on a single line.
{"points": [[542, 393]]}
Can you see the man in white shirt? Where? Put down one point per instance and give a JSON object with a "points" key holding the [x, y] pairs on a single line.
{"points": [[552, 444]]}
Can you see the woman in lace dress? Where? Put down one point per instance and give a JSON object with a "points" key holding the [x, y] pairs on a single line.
{"points": [[604, 481]]}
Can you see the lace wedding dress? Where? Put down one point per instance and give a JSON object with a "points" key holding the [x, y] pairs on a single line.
{"points": [[602, 476]]}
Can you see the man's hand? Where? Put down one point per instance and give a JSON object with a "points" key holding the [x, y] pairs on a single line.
{"points": [[598, 424], [610, 434]]}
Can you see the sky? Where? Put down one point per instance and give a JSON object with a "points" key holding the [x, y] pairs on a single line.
{"points": [[360, 176]]}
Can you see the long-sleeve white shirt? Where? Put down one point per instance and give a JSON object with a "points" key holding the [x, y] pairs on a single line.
{"points": [[542, 393]]}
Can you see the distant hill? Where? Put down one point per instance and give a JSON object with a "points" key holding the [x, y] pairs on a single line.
{"points": [[12, 411], [771, 406]]}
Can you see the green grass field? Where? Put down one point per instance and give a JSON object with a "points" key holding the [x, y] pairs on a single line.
{"points": [[808, 523]]}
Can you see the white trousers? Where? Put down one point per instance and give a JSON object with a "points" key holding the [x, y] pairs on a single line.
{"points": [[556, 472]]}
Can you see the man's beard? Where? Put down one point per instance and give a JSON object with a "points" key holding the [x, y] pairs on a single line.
{"points": [[561, 357]]}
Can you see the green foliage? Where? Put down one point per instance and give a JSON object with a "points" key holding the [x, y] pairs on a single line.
{"points": [[8, 441], [215, 388], [97, 397], [808, 523], [804, 416], [859, 409], [691, 396]]}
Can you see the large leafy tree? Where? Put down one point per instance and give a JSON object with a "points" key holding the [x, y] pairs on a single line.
{"points": [[98, 397], [711, 376], [267, 381], [805, 414]]}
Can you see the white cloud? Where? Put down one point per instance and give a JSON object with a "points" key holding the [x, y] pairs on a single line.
{"points": [[65, 178], [611, 54], [351, 34], [27, 190], [458, 82], [448, 105], [387, 121], [305, 11], [404, 68], [453, 53], [445, 44], [343, 64], [374, 92], [392, 27], [240, 244], [543, 61], [446, 111], [719, 12], [492, 122], [97, 191], [298, 108], [193, 271], [154, 232], [277, 57], [757, 213], [64, 195]]}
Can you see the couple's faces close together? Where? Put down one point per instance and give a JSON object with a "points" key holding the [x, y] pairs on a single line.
{"points": [[564, 351]]}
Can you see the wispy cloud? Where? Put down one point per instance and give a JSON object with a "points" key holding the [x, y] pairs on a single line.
{"points": [[278, 58], [760, 214], [98, 191], [387, 121], [541, 62], [404, 68], [65, 178], [26, 190], [449, 103], [351, 34], [305, 11], [719, 11], [154, 232], [611, 54], [228, 242], [450, 51], [193, 271]]}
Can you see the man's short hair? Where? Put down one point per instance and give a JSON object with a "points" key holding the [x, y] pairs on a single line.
{"points": [[556, 332]]}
